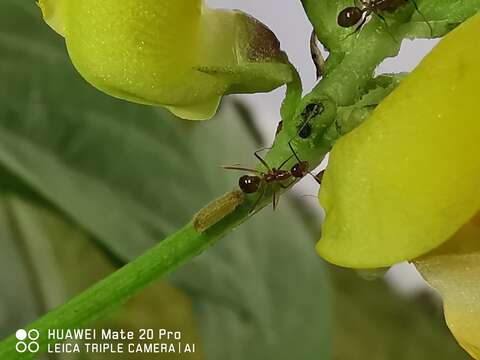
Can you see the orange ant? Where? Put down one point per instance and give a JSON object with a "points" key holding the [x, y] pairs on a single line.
{"points": [[353, 15], [259, 182]]}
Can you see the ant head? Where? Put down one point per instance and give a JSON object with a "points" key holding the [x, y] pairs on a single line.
{"points": [[349, 16], [300, 169], [249, 184]]}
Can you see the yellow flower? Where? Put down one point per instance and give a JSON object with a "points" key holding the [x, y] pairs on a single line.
{"points": [[454, 270], [177, 54], [408, 179]]}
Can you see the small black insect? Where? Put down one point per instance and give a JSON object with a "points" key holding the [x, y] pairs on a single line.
{"points": [[310, 111]]}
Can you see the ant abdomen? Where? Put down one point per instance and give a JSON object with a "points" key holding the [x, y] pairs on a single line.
{"points": [[349, 16], [249, 184]]}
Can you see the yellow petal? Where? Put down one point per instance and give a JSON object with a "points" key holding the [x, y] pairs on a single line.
{"points": [[454, 270], [408, 178], [176, 54], [51, 10]]}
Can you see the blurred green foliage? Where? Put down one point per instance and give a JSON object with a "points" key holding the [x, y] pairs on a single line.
{"points": [[127, 175], [374, 322]]}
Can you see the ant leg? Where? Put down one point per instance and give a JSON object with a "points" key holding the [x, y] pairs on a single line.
{"points": [[364, 20], [287, 186], [291, 147], [357, 29], [278, 200], [386, 26], [284, 162], [381, 17], [261, 159], [262, 192], [293, 151], [294, 154], [361, 2], [423, 16], [274, 200], [318, 178]]}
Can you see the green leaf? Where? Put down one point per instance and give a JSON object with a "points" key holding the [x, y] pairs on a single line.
{"points": [[266, 298], [52, 246], [19, 290], [349, 117], [378, 324], [129, 175]]}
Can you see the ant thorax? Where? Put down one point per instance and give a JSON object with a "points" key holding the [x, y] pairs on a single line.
{"points": [[277, 175]]}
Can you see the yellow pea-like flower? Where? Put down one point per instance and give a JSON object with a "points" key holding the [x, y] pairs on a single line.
{"points": [[177, 54], [405, 185], [408, 178]]}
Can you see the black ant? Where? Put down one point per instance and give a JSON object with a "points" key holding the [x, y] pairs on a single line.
{"points": [[353, 15]]}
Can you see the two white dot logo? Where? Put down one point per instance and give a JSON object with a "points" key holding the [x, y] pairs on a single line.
{"points": [[31, 344]]}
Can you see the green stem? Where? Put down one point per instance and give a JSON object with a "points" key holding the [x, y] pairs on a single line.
{"points": [[117, 288]]}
